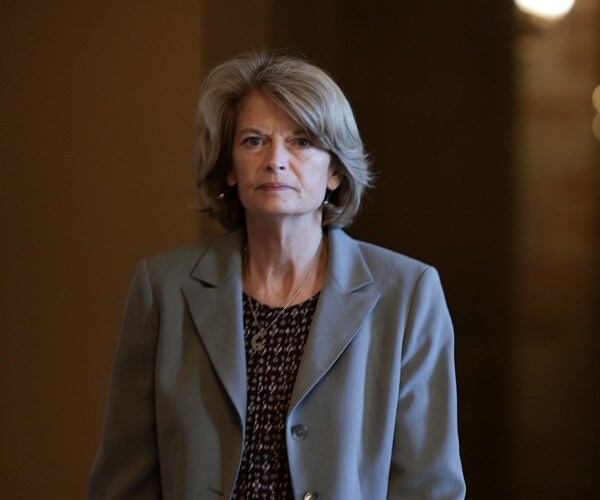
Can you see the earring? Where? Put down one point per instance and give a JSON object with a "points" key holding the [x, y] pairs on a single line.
{"points": [[228, 190], [328, 193]]}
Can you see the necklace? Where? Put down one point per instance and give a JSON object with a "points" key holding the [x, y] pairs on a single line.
{"points": [[258, 340]]}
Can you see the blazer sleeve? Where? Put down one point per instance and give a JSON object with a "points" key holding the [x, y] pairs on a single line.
{"points": [[426, 462], [126, 465]]}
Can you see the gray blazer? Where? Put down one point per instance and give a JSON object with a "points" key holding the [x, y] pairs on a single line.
{"points": [[375, 392]]}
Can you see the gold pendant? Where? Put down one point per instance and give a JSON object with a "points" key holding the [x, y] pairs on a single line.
{"points": [[258, 340]]}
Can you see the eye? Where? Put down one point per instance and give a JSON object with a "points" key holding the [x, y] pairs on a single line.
{"points": [[252, 141], [303, 142]]}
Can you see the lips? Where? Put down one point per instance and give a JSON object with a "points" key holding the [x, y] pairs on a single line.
{"points": [[274, 186]]}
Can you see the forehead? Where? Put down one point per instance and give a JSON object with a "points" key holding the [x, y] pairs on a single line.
{"points": [[256, 108]]}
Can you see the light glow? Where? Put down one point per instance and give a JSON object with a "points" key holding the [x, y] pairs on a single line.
{"points": [[546, 9], [596, 98], [596, 126]]}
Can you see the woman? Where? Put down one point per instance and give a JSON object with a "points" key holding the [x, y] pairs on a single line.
{"points": [[283, 359]]}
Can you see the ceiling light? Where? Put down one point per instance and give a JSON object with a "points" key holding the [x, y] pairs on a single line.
{"points": [[550, 10]]}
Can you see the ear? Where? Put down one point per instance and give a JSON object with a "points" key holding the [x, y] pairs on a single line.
{"points": [[231, 178], [334, 180]]}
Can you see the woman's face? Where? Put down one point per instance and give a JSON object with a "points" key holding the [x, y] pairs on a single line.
{"points": [[278, 169]]}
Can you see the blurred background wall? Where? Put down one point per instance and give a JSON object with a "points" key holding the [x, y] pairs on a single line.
{"points": [[478, 118], [97, 136]]}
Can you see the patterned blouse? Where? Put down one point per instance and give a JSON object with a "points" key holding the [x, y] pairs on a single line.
{"points": [[272, 363]]}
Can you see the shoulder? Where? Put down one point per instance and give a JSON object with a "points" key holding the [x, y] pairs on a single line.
{"points": [[179, 263], [386, 260], [184, 256], [386, 265], [398, 278], [393, 270]]}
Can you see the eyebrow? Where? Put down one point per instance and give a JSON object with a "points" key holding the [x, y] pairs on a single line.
{"points": [[252, 130], [249, 130]]}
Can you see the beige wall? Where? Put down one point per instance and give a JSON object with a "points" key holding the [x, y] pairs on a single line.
{"points": [[97, 167]]}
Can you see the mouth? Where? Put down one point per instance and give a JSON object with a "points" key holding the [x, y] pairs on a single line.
{"points": [[274, 186]]}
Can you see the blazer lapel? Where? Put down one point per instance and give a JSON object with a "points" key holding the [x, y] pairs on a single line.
{"points": [[346, 300], [214, 299]]}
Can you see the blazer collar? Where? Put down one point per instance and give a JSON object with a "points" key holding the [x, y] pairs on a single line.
{"points": [[214, 299], [347, 266], [222, 260], [346, 300]]}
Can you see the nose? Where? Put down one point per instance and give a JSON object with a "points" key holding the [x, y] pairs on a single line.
{"points": [[277, 156]]}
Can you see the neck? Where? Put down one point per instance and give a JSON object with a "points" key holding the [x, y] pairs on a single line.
{"points": [[278, 261]]}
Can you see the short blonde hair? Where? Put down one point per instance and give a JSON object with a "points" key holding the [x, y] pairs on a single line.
{"points": [[310, 97]]}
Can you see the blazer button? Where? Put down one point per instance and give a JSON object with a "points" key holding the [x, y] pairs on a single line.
{"points": [[311, 495], [299, 432]]}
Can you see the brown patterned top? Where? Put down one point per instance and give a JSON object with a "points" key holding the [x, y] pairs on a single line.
{"points": [[271, 372]]}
